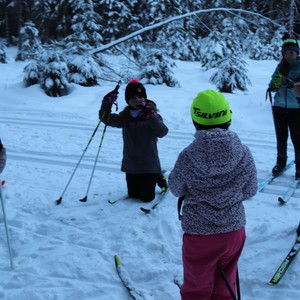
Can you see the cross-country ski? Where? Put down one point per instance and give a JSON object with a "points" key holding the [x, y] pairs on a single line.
{"points": [[126, 281], [289, 192], [125, 197], [262, 184], [156, 203], [287, 261]]}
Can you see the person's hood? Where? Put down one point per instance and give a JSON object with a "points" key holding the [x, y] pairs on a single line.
{"points": [[215, 152]]}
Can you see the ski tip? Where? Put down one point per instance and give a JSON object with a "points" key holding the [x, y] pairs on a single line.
{"points": [[58, 201], [2, 183], [281, 201], [145, 210], [271, 283], [117, 260]]}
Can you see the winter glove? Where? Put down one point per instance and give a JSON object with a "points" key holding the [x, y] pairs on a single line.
{"points": [[297, 89], [146, 109], [289, 83], [276, 80], [110, 98]]}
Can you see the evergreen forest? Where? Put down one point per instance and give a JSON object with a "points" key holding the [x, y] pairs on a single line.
{"points": [[70, 41]]}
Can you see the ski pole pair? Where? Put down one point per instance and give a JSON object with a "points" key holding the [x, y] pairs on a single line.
{"points": [[96, 159], [6, 229]]}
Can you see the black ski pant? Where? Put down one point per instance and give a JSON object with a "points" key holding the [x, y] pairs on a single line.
{"points": [[141, 186], [287, 120]]}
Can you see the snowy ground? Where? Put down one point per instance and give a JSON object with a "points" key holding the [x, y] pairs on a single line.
{"points": [[67, 251]]}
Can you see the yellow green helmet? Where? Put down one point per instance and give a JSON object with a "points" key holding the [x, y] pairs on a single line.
{"points": [[210, 108]]}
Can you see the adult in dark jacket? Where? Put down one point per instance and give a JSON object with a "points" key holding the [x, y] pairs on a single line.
{"points": [[286, 106], [141, 126], [2, 157]]}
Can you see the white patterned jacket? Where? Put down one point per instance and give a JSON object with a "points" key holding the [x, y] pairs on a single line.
{"points": [[215, 173]]}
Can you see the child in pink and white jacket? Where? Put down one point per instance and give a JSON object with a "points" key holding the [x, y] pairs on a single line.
{"points": [[215, 173]]}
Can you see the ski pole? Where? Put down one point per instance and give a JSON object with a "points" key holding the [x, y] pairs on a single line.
{"points": [[95, 163], [6, 229], [238, 287], [226, 282], [84, 199], [90, 140]]}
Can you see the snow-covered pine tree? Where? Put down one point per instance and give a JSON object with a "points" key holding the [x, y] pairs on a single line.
{"points": [[54, 74], [83, 69], [276, 42], [265, 45], [116, 18], [213, 49], [3, 58], [158, 69], [231, 74], [29, 46], [85, 24], [181, 45]]}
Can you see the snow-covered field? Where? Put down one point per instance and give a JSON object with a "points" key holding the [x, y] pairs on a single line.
{"points": [[67, 251]]}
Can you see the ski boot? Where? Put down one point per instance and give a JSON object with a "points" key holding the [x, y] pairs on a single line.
{"points": [[280, 166], [162, 183]]}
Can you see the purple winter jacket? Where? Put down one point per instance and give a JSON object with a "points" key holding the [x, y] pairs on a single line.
{"points": [[215, 173]]}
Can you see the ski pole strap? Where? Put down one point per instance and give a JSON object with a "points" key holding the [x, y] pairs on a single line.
{"points": [[179, 204], [269, 95], [116, 90]]}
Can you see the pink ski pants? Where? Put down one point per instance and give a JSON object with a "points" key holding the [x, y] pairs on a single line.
{"points": [[200, 254]]}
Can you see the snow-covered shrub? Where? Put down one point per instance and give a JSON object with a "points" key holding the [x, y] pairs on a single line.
{"points": [[32, 73], [83, 70], [231, 74], [158, 69], [54, 74]]}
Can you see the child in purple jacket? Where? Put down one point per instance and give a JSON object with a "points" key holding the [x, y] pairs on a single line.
{"points": [[215, 173]]}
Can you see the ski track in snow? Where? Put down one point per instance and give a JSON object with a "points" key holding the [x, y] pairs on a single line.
{"points": [[114, 134]]}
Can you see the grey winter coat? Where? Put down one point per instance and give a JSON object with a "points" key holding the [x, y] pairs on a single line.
{"points": [[140, 154], [215, 173]]}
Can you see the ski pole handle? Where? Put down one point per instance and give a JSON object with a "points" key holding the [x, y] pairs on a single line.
{"points": [[117, 86], [116, 92]]}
